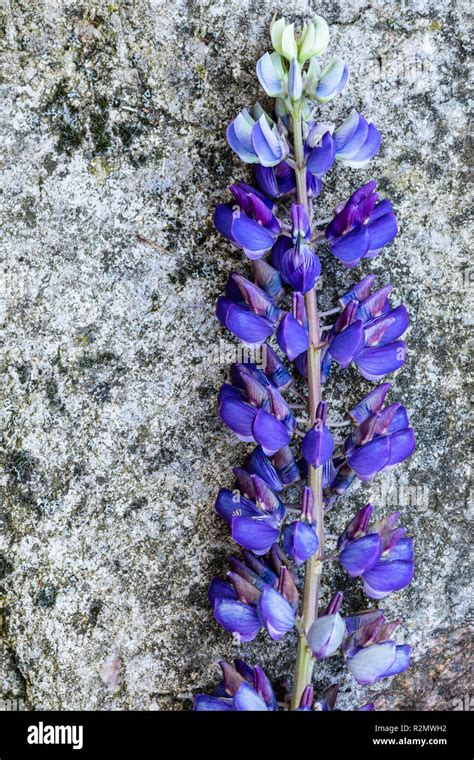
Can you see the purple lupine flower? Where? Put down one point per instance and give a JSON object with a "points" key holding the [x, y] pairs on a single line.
{"points": [[367, 333], [361, 227], [300, 540], [278, 471], [272, 75], [320, 149], [247, 311], [251, 224], [330, 82], [357, 141], [382, 439], [276, 181], [257, 594], [380, 553], [255, 411], [370, 652], [254, 512], [318, 443], [242, 688], [298, 264], [257, 141], [327, 632], [292, 333]]}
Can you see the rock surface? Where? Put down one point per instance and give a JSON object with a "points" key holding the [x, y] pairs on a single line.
{"points": [[114, 126]]}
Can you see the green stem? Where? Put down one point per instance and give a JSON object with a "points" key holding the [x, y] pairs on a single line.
{"points": [[304, 657]]}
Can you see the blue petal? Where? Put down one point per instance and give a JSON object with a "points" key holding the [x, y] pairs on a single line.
{"points": [[367, 151], [253, 238], [317, 446], [219, 589], [277, 614], [265, 143], [371, 663], [260, 465], [243, 323], [247, 699], [382, 231], [388, 576], [229, 504], [374, 363], [322, 156], [269, 432], [371, 403], [223, 218], [203, 702], [402, 661], [333, 79], [351, 248], [237, 415], [346, 344], [355, 142], [300, 541], [255, 533], [325, 635], [269, 76], [402, 444], [361, 554], [370, 458], [291, 336], [238, 618]]}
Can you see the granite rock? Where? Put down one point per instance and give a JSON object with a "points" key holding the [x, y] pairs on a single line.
{"points": [[115, 154]]}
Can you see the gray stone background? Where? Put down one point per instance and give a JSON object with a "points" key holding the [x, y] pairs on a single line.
{"points": [[113, 124]]}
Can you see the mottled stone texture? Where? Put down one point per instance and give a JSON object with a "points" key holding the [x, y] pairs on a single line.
{"points": [[114, 125]]}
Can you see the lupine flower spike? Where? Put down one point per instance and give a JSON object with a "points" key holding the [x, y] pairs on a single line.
{"points": [[269, 303]]}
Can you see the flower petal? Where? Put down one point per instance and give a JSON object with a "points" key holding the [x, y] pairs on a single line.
{"points": [[237, 618]]}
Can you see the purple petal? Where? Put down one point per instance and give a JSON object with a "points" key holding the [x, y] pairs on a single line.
{"points": [[300, 267], [237, 414], [355, 142], [370, 404], [351, 248], [269, 432], [359, 291], [222, 219], [230, 504], [325, 635], [243, 323], [317, 446], [322, 156], [344, 347], [260, 465], [266, 178], [300, 541], [277, 614], [400, 323], [237, 618], [255, 533], [370, 458], [375, 305], [361, 554], [249, 234], [267, 278], [203, 702], [219, 589], [374, 363], [247, 699], [291, 336], [371, 663], [265, 143], [402, 661], [402, 444]]}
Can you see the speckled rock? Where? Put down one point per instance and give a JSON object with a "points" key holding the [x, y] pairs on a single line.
{"points": [[113, 131]]}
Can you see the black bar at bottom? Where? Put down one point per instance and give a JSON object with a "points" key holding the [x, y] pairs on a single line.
{"points": [[151, 734]]}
